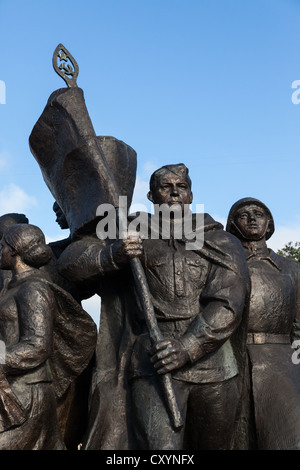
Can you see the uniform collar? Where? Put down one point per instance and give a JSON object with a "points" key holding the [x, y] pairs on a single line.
{"points": [[259, 250]]}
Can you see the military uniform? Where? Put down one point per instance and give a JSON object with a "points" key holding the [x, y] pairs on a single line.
{"points": [[199, 298]]}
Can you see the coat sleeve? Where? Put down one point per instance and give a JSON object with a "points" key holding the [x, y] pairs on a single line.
{"points": [[86, 260]]}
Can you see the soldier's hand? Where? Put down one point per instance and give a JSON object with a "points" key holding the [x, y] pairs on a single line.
{"points": [[167, 355], [128, 248]]}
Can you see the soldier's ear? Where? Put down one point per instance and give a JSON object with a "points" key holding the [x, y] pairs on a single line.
{"points": [[149, 196], [191, 198]]}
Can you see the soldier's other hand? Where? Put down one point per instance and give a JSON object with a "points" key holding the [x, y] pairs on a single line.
{"points": [[167, 355], [127, 248]]}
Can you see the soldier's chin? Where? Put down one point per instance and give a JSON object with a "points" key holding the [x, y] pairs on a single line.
{"points": [[254, 235]]}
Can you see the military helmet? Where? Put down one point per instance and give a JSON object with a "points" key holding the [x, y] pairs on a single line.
{"points": [[244, 202]]}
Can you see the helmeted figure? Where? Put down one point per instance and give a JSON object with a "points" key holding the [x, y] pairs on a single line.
{"points": [[274, 321]]}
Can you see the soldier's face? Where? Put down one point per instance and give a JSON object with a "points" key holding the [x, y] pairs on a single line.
{"points": [[173, 190], [252, 222]]}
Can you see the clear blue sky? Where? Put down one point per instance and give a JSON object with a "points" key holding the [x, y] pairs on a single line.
{"points": [[204, 82]]}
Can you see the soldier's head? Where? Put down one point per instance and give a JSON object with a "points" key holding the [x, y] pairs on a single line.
{"points": [[250, 219], [171, 185]]}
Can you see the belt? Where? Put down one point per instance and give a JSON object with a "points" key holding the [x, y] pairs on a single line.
{"points": [[265, 338]]}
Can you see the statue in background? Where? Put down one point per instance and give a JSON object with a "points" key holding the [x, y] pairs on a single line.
{"points": [[59, 245], [274, 323], [73, 405]]}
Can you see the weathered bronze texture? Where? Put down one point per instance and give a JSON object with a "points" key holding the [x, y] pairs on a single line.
{"points": [[155, 335]]}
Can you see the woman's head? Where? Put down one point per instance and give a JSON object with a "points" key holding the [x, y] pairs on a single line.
{"points": [[7, 220], [28, 241]]}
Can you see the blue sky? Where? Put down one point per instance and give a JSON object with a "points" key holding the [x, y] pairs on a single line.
{"points": [[203, 82]]}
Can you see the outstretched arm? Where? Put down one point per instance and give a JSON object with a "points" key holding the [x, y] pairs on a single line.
{"points": [[90, 258]]}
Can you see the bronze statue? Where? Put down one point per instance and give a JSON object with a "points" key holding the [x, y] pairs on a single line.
{"points": [[193, 316], [44, 355], [274, 321], [198, 298]]}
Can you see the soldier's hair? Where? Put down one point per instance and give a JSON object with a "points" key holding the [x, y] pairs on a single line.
{"points": [[28, 241], [178, 169]]}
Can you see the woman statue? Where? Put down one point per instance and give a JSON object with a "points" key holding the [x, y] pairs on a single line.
{"points": [[274, 324], [38, 366]]}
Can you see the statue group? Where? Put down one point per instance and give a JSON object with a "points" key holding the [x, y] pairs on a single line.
{"points": [[194, 346]]}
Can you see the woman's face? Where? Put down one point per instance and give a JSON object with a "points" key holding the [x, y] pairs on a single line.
{"points": [[252, 222], [6, 255]]}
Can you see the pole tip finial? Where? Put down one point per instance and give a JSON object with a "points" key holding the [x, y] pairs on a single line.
{"points": [[65, 65]]}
